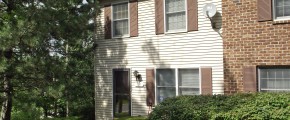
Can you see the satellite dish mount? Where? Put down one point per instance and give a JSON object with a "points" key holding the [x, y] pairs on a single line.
{"points": [[209, 10]]}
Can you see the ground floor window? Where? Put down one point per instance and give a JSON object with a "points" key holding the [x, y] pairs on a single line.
{"points": [[274, 79], [171, 82]]}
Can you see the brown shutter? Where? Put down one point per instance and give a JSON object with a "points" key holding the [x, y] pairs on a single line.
{"points": [[150, 87], [192, 15], [133, 18], [107, 16], [159, 17], [264, 10], [249, 79], [206, 80]]}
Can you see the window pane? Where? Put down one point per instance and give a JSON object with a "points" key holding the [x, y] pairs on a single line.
{"points": [[263, 73], [279, 73], [117, 27], [125, 28], [176, 21], [263, 84], [165, 77], [188, 91], [120, 19], [286, 83], [276, 79], [174, 6], [286, 74], [120, 11], [188, 81], [279, 11], [287, 11], [287, 2], [282, 8], [120, 27], [175, 14], [279, 84], [271, 73], [271, 84], [188, 77], [279, 2], [165, 92]]}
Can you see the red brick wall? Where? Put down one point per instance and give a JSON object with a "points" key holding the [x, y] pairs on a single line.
{"points": [[248, 42]]}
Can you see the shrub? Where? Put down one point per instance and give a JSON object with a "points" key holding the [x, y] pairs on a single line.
{"points": [[63, 118], [222, 107], [274, 106], [27, 112]]}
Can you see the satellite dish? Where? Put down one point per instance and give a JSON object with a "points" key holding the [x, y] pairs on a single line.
{"points": [[209, 10]]}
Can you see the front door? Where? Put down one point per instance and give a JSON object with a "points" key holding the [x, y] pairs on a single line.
{"points": [[121, 94]]}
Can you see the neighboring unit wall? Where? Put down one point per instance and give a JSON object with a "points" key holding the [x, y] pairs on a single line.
{"points": [[251, 41], [177, 50]]}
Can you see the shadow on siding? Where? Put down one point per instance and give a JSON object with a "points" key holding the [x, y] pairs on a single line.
{"points": [[218, 23], [110, 54], [230, 83], [153, 54]]}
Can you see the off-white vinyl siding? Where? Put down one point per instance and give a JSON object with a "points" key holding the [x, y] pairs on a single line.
{"points": [[179, 50]]}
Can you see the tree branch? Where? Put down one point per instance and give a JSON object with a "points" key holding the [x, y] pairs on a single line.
{"points": [[25, 88], [3, 90], [90, 2], [5, 2], [9, 4]]}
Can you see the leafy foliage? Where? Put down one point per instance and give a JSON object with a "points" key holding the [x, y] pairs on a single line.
{"points": [[27, 112], [219, 107], [51, 46]]}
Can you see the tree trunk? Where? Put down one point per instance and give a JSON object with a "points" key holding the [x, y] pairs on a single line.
{"points": [[45, 112], [67, 108], [55, 109], [7, 104], [67, 77]]}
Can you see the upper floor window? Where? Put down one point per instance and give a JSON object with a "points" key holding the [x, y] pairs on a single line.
{"points": [[175, 13], [120, 20], [274, 79], [281, 9]]}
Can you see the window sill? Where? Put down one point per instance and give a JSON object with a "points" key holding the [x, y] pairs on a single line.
{"points": [[176, 32], [277, 22], [119, 37], [140, 86]]}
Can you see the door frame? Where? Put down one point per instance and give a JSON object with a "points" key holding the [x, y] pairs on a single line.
{"points": [[129, 85]]}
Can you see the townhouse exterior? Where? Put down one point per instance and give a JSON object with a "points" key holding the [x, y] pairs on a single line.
{"points": [[162, 48], [149, 50], [256, 42]]}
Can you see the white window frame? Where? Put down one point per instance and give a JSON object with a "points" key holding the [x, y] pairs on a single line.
{"points": [[259, 79], [176, 80], [165, 19], [112, 21], [274, 13]]}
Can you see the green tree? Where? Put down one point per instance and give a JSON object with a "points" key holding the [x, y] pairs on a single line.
{"points": [[34, 35]]}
